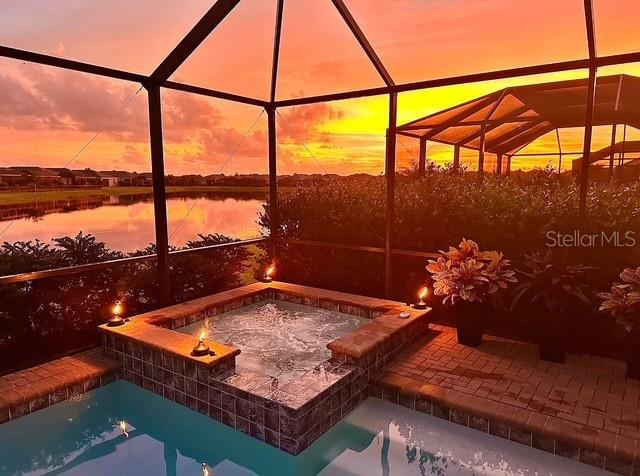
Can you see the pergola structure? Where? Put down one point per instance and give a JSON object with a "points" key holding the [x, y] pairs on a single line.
{"points": [[506, 121], [159, 79], [627, 152]]}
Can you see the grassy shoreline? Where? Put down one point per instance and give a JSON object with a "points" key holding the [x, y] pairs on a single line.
{"points": [[22, 197]]}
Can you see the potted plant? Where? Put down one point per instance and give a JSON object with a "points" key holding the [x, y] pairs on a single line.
{"points": [[466, 277], [623, 303], [550, 294]]}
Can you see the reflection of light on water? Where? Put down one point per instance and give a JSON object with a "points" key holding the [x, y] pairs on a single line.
{"points": [[442, 461], [206, 471], [134, 228], [123, 428]]}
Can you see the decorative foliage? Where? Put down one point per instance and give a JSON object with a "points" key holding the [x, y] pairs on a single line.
{"points": [[466, 273], [553, 285], [623, 302]]}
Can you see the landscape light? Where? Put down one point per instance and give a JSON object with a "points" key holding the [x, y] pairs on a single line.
{"points": [[268, 275], [201, 349], [421, 304], [116, 315]]}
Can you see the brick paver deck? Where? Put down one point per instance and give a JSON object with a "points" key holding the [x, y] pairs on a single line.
{"points": [[37, 387], [586, 400]]}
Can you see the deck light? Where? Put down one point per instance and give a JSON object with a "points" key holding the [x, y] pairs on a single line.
{"points": [[421, 295], [205, 470], [201, 349], [116, 315], [267, 278]]}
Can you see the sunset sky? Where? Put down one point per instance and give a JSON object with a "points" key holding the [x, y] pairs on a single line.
{"points": [[47, 115]]}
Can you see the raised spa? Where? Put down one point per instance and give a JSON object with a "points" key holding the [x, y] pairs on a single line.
{"points": [[287, 363]]}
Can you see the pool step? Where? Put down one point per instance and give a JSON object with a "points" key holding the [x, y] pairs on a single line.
{"points": [[38, 387]]}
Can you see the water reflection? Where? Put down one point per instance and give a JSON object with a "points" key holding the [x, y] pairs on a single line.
{"points": [[125, 223], [378, 438]]}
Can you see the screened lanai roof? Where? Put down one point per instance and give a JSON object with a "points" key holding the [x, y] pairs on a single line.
{"points": [[516, 116], [628, 149]]}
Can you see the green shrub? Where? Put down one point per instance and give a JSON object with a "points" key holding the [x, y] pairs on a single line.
{"points": [[48, 317]]}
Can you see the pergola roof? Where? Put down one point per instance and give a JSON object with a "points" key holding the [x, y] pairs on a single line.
{"points": [[516, 116], [629, 149]]}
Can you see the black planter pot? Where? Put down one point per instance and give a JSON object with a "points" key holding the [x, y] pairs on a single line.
{"points": [[552, 339], [470, 317], [552, 350], [633, 354]]}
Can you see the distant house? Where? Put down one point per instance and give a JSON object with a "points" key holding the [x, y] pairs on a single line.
{"points": [[40, 176], [112, 178], [212, 179], [82, 177], [107, 179], [144, 179], [64, 174], [11, 177]]}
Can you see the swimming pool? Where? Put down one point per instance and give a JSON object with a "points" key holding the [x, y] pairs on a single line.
{"points": [[86, 436], [279, 339]]}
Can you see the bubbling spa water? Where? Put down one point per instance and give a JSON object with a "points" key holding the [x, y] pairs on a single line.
{"points": [[276, 338]]}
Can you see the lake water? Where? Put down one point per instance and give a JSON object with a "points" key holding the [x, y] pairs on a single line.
{"points": [[126, 223]]}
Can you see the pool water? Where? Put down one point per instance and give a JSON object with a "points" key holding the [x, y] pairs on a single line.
{"points": [[85, 437], [276, 338]]}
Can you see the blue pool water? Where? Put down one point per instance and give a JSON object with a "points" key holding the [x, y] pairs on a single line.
{"points": [[84, 437]]}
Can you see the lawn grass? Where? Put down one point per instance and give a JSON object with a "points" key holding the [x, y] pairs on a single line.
{"points": [[22, 197]]}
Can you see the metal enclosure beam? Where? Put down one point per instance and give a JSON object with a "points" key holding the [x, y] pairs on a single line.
{"points": [[193, 39], [159, 194], [422, 157], [481, 151], [364, 43], [390, 175], [586, 150], [276, 51], [591, 99], [591, 31], [213, 93], [274, 217], [616, 108], [72, 65]]}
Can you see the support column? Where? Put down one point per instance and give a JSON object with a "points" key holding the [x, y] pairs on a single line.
{"points": [[422, 158], [481, 152], [499, 165], [612, 150], [588, 131], [390, 175], [274, 217], [621, 157], [559, 151], [159, 194], [508, 166], [456, 157]]}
